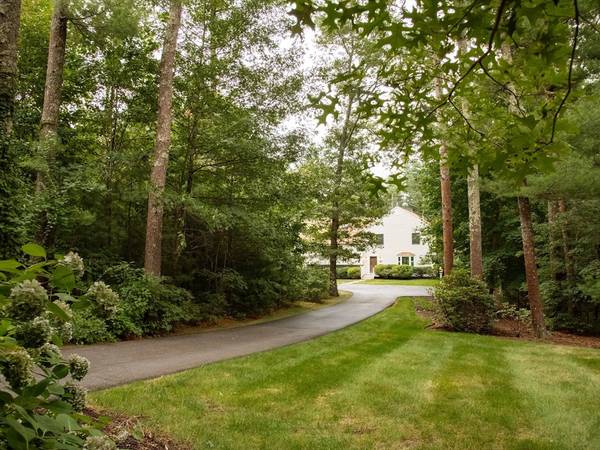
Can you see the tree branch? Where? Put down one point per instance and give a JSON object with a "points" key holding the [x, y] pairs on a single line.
{"points": [[465, 118], [488, 50], [570, 76]]}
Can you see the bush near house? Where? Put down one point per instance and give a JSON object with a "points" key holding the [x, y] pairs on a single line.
{"points": [[463, 303], [394, 271], [354, 273], [348, 272], [423, 272]]}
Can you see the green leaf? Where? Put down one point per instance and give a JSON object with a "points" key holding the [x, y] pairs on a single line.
{"points": [[56, 389], [59, 406], [67, 422], [32, 249], [80, 304], [9, 265], [36, 389], [67, 298], [63, 278], [58, 311], [26, 433], [5, 326], [60, 371]]}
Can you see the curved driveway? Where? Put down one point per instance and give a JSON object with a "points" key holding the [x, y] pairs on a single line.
{"points": [[123, 362]]}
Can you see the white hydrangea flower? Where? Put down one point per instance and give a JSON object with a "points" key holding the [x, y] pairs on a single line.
{"points": [[75, 395], [66, 331], [16, 367], [107, 299], [78, 367], [74, 262], [50, 349], [35, 333], [28, 300]]}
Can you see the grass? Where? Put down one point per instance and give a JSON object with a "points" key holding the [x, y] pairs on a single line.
{"points": [[386, 383], [411, 282]]}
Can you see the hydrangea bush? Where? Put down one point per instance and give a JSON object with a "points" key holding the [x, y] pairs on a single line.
{"points": [[41, 400]]}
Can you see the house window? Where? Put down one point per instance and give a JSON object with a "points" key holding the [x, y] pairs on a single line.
{"points": [[406, 260], [416, 238], [379, 239]]}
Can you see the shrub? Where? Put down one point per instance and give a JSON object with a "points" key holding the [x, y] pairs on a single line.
{"points": [[312, 284], [152, 307], [402, 272], [89, 329], [37, 307], [394, 271], [342, 272], [463, 303], [423, 272], [348, 272], [354, 272], [384, 270], [511, 312]]}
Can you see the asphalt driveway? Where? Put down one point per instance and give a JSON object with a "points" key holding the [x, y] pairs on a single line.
{"points": [[123, 362]]}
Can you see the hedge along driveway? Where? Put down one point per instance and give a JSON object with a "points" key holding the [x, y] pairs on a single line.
{"points": [[386, 383], [123, 362]]}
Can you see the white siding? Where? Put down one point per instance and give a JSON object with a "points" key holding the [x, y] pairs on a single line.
{"points": [[397, 229]]}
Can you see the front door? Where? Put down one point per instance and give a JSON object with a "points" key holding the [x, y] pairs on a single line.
{"points": [[372, 263]]}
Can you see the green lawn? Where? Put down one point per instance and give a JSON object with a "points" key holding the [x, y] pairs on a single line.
{"points": [[386, 383], [412, 282]]}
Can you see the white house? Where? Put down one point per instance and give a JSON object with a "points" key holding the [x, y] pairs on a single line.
{"points": [[399, 242]]}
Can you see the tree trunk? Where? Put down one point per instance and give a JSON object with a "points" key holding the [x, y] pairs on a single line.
{"points": [[569, 264], [55, 70], [531, 272], [335, 209], [554, 249], [446, 190], [153, 250], [10, 15], [475, 247], [568, 257], [345, 137], [333, 249], [50, 109]]}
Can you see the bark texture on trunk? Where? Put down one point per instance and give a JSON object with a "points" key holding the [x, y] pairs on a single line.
{"points": [[153, 250], [554, 240], [333, 248], [10, 15], [531, 272], [334, 227], [564, 231], [475, 247], [55, 70], [447, 229], [48, 139], [446, 193]]}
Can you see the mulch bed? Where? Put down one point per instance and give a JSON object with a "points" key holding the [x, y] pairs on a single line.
{"points": [[515, 330], [128, 433]]}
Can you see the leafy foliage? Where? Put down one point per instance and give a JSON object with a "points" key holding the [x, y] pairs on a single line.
{"points": [[464, 303], [38, 298], [348, 272], [394, 271]]}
